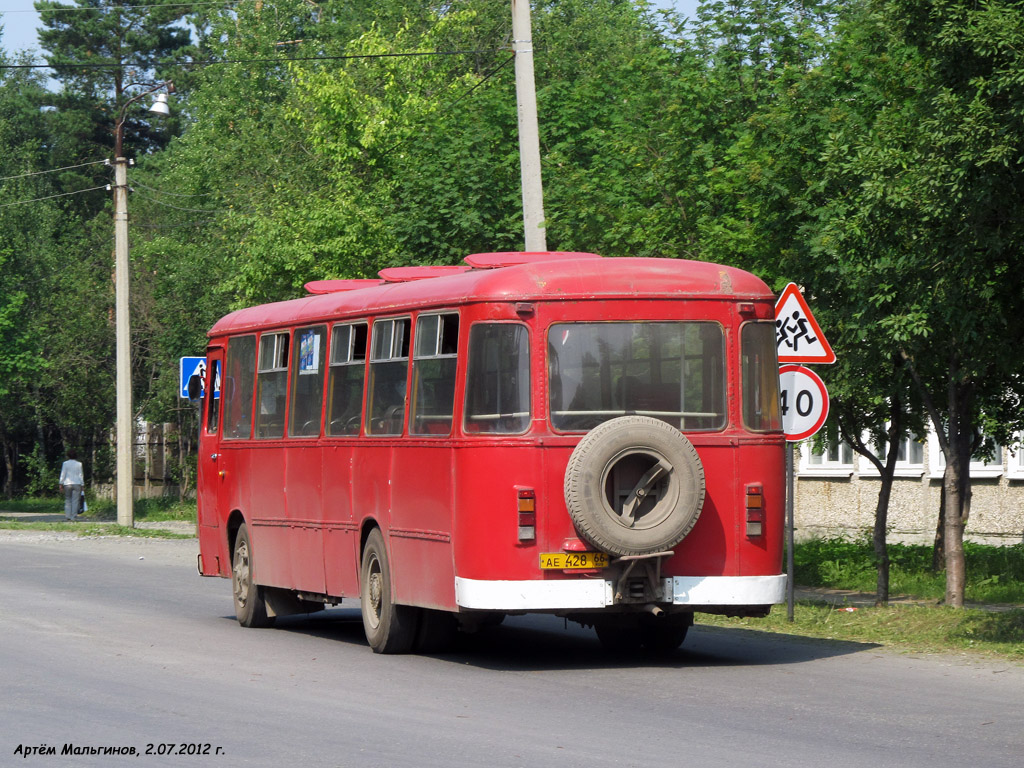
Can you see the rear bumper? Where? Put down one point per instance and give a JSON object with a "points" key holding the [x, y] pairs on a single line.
{"points": [[548, 595]]}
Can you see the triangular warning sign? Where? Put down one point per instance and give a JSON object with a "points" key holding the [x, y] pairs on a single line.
{"points": [[798, 336]]}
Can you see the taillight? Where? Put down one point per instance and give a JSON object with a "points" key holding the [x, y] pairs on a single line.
{"points": [[527, 500], [755, 510]]}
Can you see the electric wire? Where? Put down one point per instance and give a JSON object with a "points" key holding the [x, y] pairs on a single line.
{"points": [[55, 170], [102, 8], [51, 197], [165, 192], [272, 60]]}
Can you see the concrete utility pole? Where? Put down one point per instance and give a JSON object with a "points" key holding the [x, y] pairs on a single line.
{"points": [[122, 329], [125, 427], [529, 138]]}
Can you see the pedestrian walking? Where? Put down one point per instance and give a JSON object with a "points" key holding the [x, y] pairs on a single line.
{"points": [[71, 483]]}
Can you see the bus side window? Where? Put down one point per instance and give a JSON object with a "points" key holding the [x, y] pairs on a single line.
{"points": [[389, 368], [498, 379], [272, 385], [213, 398], [345, 387], [434, 366], [309, 350], [760, 377], [239, 376]]}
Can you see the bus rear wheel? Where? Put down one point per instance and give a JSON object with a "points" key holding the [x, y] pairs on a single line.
{"points": [[389, 628], [250, 605]]}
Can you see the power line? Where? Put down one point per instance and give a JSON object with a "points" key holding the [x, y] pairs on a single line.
{"points": [[214, 62], [172, 194], [51, 197], [55, 170], [102, 8]]}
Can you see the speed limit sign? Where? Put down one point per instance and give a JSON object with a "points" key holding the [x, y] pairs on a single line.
{"points": [[804, 402]]}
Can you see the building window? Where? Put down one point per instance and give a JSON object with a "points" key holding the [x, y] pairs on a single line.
{"points": [[1015, 460], [909, 459], [831, 461], [980, 466]]}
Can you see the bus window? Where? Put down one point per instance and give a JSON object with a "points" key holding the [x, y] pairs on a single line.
{"points": [[213, 398], [389, 364], [240, 371], [433, 366], [272, 385], [498, 380], [760, 371], [308, 351], [670, 371], [345, 388]]}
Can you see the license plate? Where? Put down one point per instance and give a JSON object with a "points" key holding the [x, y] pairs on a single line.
{"points": [[563, 561]]}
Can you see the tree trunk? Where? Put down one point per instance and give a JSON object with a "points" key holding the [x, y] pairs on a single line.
{"points": [[939, 549], [956, 566], [879, 538]]}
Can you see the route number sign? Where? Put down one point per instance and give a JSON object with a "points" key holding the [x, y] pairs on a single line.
{"points": [[804, 402]]}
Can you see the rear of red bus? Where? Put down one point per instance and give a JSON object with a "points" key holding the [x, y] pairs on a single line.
{"points": [[635, 475]]}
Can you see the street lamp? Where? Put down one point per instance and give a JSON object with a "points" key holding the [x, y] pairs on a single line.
{"points": [[122, 329]]}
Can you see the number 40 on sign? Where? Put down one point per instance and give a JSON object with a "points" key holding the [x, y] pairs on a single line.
{"points": [[803, 402]]}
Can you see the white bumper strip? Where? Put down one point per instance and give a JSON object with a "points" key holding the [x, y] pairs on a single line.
{"points": [[537, 595]]}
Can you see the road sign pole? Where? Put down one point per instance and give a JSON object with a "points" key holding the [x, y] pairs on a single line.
{"points": [[790, 566]]}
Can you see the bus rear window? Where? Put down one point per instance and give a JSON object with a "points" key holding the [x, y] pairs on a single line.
{"points": [[760, 371], [498, 379], [670, 371]]}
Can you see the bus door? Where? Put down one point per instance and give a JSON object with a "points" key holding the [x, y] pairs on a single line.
{"points": [[209, 478]]}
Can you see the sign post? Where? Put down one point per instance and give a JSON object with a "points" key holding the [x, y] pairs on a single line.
{"points": [[804, 398]]}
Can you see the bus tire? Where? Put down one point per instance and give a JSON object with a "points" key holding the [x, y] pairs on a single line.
{"points": [[250, 603], [634, 485], [389, 628]]}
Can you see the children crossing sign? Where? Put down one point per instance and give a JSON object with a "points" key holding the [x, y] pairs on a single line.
{"points": [[798, 336]]}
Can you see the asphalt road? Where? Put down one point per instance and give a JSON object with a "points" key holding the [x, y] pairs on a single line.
{"points": [[118, 643]]}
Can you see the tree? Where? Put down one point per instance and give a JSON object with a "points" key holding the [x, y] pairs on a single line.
{"points": [[931, 220]]}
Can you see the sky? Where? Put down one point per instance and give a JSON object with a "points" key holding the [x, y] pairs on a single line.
{"points": [[20, 20]]}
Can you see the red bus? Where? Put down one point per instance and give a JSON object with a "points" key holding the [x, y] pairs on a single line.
{"points": [[531, 432]]}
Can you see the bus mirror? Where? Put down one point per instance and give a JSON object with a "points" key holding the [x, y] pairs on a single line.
{"points": [[195, 387]]}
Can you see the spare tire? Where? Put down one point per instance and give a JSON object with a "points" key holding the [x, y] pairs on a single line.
{"points": [[634, 485]]}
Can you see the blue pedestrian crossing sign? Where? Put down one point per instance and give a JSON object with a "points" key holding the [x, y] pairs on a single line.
{"points": [[189, 367]]}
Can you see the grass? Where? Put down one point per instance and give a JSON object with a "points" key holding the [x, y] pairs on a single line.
{"points": [[100, 518], [994, 574], [910, 628]]}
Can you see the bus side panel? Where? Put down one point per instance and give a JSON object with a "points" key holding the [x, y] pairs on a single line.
{"points": [[341, 539], [263, 505], [486, 522], [421, 526], [303, 511]]}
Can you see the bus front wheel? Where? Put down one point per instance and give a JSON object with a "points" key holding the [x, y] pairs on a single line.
{"points": [[389, 628], [250, 606]]}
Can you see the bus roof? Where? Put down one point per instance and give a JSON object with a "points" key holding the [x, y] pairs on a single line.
{"points": [[562, 276]]}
